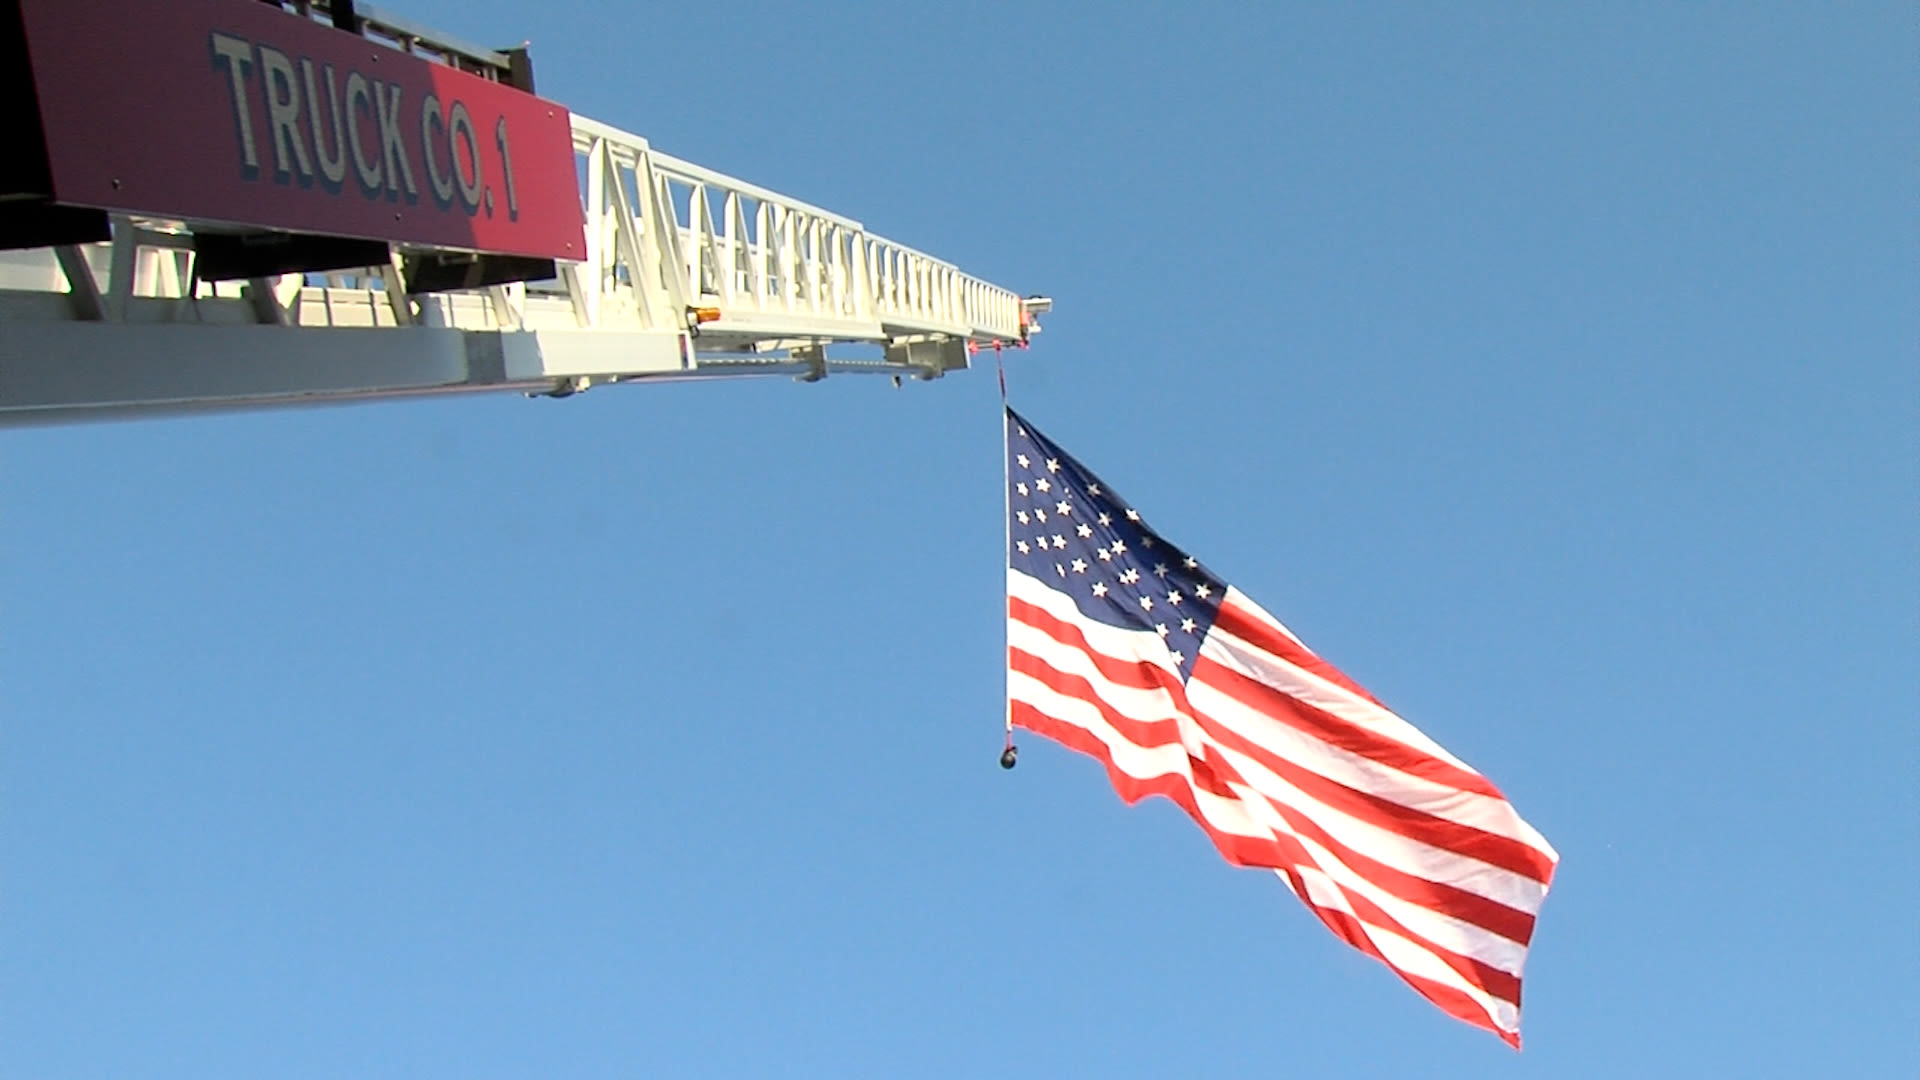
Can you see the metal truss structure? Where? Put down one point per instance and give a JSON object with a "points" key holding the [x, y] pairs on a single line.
{"points": [[687, 274]]}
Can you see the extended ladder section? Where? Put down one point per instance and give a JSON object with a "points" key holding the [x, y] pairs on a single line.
{"points": [[409, 240]]}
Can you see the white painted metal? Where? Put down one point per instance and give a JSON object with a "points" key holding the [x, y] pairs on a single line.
{"points": [[124, 329], [665, 236]]}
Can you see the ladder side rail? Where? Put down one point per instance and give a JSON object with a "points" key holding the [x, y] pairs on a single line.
{"points": [[842, 273], [586, 281], [795, 254], [635, 249], [917, 277], [784, 261], [703, 248], [663, 224], [731, 226], [860, 285], [687, 172], [815, 264], [760, 258]]}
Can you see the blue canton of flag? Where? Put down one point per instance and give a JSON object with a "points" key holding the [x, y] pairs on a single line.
{"points": [[1065, 525], [1123, 647]]}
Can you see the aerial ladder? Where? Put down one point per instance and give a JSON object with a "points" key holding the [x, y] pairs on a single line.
{"points": [[221, 204]]}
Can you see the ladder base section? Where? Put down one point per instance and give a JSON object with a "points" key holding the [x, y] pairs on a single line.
{"points": [[55, 372]]}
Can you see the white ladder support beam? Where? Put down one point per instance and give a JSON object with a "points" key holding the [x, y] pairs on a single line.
{"points": [[56, 371]]}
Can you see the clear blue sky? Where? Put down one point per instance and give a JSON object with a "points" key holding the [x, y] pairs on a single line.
{"points": [[1553, 372]]}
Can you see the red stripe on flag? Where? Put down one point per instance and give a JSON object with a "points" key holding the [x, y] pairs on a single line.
{"points": [[1501, 984], [1514, 924], [1272, 702], [1492, 915], [1213, 775], [1138, 675], [1144, 733], [1238, 850], [1253, 852], [1451, 1000], [1254, 630], [1430, 829]]}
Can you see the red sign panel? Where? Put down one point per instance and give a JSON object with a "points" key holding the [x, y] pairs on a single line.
{"points": [[234, 112]]}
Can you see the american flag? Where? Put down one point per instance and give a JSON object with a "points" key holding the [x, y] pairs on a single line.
{"points": [[1124, 647]]}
